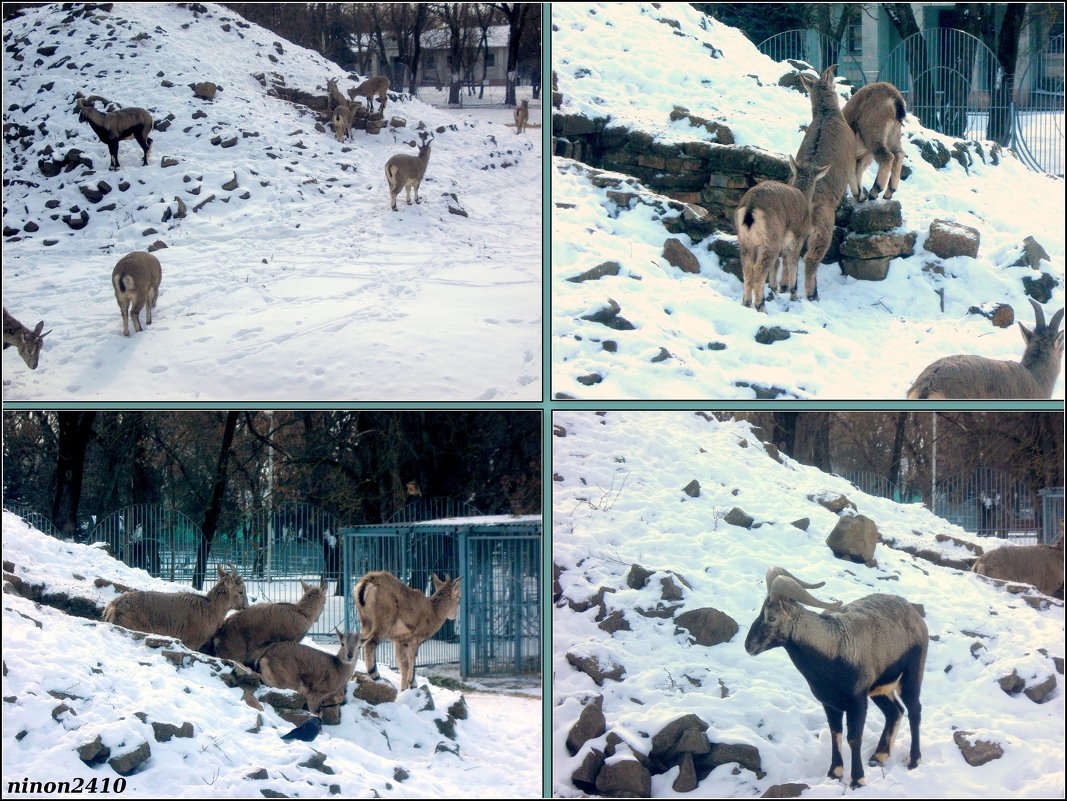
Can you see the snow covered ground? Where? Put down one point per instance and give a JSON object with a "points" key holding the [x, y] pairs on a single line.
{"points": [[106, 678], [618, 501], [300, 284], [862, 339]]}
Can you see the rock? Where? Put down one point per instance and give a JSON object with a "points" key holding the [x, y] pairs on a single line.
{"points": [[1040, 693], [1033, 254], [127, 763], [854, 538], [159, 244], [592, 667], [948, 239], [94, 753], [609, 316], [317, 761], [638, 577], [878, 245], [865, 269], [230, 185], [686, 781], [678, 255], [397, 122], [669, 591], [833, 502], [738, 517], [981, 752], [1000, 314], [446, 726], [600, 271], [787, 790], [729, 253], [283, 699], [626, 778], [584, 777], [768, 336], [747, 756], [205, 90], [681, 735], [932, 151], [802, 523], [692, 489], [163, 732], [616, 621], [877, 215], [1040, 289], [591, 724], [707, 626], [590, 379], [257, 775]]}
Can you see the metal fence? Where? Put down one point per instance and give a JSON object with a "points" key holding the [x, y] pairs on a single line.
{"points": [[872, 483], [1051, 514], [816, 49], [1037, 130], [34, 518], [990, 503], [498, 630]]}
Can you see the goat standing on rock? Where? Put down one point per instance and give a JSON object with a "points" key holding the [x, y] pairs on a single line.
{"points": [[870, 648], [390, 610], [875, 114], [114, 126]]}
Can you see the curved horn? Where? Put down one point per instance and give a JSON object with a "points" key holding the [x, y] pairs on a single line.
{"points": [[785, 587], [93, 98], [1054, 323], [774, 572], [1039, 314]]}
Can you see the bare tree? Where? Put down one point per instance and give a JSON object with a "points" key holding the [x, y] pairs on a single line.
{"points": [[517, 15]]}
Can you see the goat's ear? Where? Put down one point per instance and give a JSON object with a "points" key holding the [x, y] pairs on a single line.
{"points": [[222, 572], [304, 586], [1027, 333], [828, 75], [437, 583], [38, 329], [324, 585], [808, 83]]}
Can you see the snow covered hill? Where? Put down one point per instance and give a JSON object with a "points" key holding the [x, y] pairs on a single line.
{"points": [[287, 276], [623, 497], [70, 682], [690, 336]]}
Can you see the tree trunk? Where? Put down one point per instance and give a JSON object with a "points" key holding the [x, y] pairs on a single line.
{"points": [[75, 431], [1007, 54], [895, 456], [214, 507]]}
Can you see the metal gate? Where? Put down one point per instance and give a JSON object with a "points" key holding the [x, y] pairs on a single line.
{"points": [[1037, 133], [953, 83], [499, 626], [152, 537], [1051, 514], [34, 518], [872, 483], [816, 49], [990, 503]]}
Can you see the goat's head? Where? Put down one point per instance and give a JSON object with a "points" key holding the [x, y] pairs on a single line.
{"points": [[822, 91], [84, 104], [1045, 337], [452, 591], [234, 587], [315, 591], [349, 645], [804, 176], [775, 622], [29, 344]]}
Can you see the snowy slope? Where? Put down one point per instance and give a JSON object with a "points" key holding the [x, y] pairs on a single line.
{"points": [[618, 500], [298, 284], [862, 339], [106, 677]]}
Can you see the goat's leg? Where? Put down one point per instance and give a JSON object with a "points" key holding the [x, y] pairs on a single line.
{"points": [[790, 257], [370, 645], [418, 183], [885, 167], [893, 711], [406, 657], [859, 192], [856, 716], [393, 192], [766, 265], [113, 149], [124, 307], [837, 762], [894, 178], [152, 295], [407, 192], [749, 256], [818, 244], [135, 313], [909, 693]]}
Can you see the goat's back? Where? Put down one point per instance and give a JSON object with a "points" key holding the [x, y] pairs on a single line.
{"points": [[184, 615], [872, 108], [770, 208], [829, 141], [245, 635], [965, 376], [1040, 565], [136, 272]]}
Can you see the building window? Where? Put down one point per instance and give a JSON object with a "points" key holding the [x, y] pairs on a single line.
{"points": [[490, 60], [854, 36]]}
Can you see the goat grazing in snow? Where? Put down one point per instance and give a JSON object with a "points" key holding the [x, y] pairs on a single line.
{"points": [[114, 126], [190, 617], [871, 648], [390, 610], [29, 343]]}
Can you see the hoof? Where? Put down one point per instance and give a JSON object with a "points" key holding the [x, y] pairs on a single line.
{"points": [[835, 772], [813, 296], [913, 764], [855, 784]]}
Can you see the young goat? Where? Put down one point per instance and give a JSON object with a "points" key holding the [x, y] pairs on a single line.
{"points": [[312, 673], [136, 280], [29, 343], [404, 172], [870, 648], [342, 122], [979, 378], [875, 114], [522, 116], [191, 618], [772, 220], [246, 635], [829, 142], [114, 126], [390, 610], [378, 85]]}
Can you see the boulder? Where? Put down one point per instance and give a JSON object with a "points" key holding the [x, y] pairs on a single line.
{"points": [[626, 778], [599, 670], [876, 215], [678, 255], [948, 239], [590, 725], [707, 626], [978, 753], [854, 538], [739, 517]]}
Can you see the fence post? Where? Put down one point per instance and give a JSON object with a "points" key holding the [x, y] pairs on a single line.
{"points": [[464, 604]]}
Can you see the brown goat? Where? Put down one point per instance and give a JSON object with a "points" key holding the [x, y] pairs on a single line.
{"points": [[964, 376], [390, 610], [342, 122], [1040, 565], [829, 141], [246, 635], [773, 219], [333, 95], [875, 114], [379, 85], [406, 172], [522, 116], [29, 343], [190, 617], [312, 673], [114, 126], [136, 280]]}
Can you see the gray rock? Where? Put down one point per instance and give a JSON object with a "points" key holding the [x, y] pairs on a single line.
{"points": [[1033, 254], [948, 239], [591, 666], [626, 778], [787, 790], [865, 269], [665, 752], [600, 271], [686, 780], [1040, 289], [591, 724], [878, 245], [854, 538], [747, 756], [584, 777], [458, 709], [692, 489], [94, 753], [127, 763], [833, 503], [373, 692], [802, 523], [1040, 693], [768, 336], [739, 517], [877, 215], [707, 626], [205, 90], [616, 621], [638, 576], [978, 754], [669, 591], [163, 732]]}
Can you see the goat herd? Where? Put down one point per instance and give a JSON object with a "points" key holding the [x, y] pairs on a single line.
{"points": [[137, 275], [776, 220], [266, 637]]}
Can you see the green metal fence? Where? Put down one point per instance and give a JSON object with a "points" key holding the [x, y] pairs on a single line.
{"points": [[498, 631]]}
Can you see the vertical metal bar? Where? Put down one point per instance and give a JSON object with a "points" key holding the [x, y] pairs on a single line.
{"points": [[347, 536], [466, 614]]}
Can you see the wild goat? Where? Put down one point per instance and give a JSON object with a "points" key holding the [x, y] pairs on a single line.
{"points": [[875, 114], [404, 172], [828, 142], [190, 617], [342, 122], [772, 220], [114, 126], [873, 647], [378, 85], [1040, 565], [312, 673], [522, 116], [246, 635], [136, 280], [976, 377], [390, 610], [29, 343], [333, 95]]}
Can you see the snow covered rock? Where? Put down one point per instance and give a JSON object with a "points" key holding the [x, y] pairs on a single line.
{"points": [[854, 538], [590, 725], [978, 752], [948, 239]]}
